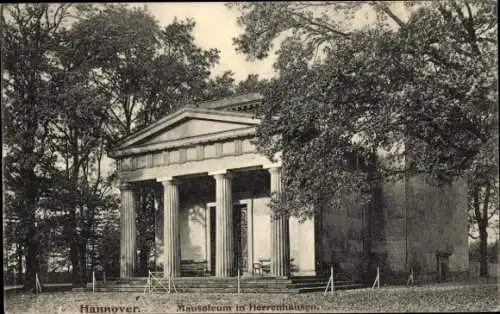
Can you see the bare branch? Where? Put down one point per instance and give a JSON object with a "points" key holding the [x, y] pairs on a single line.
{"points": [[117, 118], [384, 8], [493, 213], [320, 25]]}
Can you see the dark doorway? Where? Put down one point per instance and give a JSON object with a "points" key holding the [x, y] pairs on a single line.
{"points": [[240, 227], [212, 240]]}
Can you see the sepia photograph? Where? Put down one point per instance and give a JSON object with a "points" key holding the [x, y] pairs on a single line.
{"points": [[250, 157]]}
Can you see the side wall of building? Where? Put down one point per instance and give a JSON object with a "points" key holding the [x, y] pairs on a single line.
{"points": [[302, 247], [417, 221], [341, 237]]}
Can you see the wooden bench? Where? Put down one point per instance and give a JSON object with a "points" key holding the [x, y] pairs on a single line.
{"points": [[263, 266], [190, 268]]}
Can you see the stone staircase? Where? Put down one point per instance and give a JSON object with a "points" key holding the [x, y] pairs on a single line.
{"points": [[263, 284]]}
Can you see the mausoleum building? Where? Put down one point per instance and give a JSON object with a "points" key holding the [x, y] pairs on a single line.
{"points": [[214, 190]]}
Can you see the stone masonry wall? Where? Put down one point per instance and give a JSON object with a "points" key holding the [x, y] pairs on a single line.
{"points": [[418, 219], [341, 239]]}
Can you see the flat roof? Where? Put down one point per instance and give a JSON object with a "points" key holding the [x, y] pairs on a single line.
{"points": [[229, 101]]}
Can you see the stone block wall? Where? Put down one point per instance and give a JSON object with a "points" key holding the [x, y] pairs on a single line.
{"points": [[302, 239], [340, 237], [416, 220]]}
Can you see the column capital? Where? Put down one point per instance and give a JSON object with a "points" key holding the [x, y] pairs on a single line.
{"points": [[272, 168], [126, 186], [166, 180], [220, 174]]}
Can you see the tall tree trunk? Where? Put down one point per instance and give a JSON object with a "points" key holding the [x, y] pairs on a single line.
{"points": [[483, 250], [483, 234], [482, 223], [31, 254], [75, 274], [76, 235], [31, 240], [83, 261]]}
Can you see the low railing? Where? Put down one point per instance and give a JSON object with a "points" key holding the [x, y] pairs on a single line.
{"points": [[155, 282]]}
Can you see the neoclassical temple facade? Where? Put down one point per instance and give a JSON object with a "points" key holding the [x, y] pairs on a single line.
{"points": [[215, 191]]}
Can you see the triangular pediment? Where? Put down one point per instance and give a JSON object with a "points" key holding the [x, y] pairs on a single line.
{"points": [[187, 124], [194, 127]]}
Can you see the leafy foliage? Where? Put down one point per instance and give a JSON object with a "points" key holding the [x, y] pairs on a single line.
{"points": [[29, 34], [417, 88], [77, 78]]}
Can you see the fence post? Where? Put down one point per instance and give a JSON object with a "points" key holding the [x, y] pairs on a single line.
{"points": [[93, 281], [38, 286], [104, 276], [238, 280], [377, 279], [330, 283], [148, 283], [169, 280], [331, 278], [410, 279]]}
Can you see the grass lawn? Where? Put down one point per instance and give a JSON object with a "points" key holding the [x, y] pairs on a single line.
{"points": [[429, 298]]}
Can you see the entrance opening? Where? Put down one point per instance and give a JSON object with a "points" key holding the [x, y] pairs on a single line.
{"points": [[240, 227], [240, 241], [212, 240], [442, 265]]}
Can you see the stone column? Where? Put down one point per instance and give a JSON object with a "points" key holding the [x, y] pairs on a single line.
{"points": [[280, 233], [171, 236], [128, 250], [224, 250]]}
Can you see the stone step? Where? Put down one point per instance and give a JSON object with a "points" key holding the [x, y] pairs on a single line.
{"points": [[232, 284], [203, 282], [209, 279], [205, 286], [322, 288], [305, 279], [191, 290], [317, 284], [228, 285]]}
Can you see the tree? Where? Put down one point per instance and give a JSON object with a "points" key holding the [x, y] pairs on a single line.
{"points": [[78, 78], [425, 81], [55, 115], [147, 71], [29, 36], [252, 84], [483, 206], [79, 138]]}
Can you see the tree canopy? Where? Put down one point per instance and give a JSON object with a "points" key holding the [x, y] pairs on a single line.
{"points": [[77, 78], [427, 80], [418, 75]]}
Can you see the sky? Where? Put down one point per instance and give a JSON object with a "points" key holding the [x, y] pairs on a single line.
{"points": [[215, 27]]}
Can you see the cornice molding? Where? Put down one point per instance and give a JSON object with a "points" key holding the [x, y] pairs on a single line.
{"points": [[186, 142], [180, 115]]}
